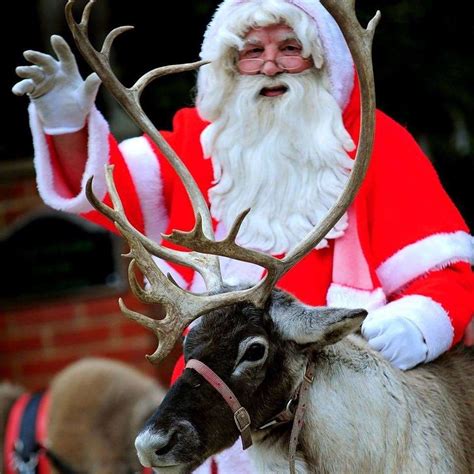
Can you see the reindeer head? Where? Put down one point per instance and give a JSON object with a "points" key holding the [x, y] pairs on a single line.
{"points": [[260, 354]]}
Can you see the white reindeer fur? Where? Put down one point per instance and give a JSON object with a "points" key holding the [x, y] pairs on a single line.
{"points": [[391, 418]]}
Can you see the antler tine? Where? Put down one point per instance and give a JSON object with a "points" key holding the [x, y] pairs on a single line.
{"points": [[129, 99], [166, 331], [150, 76], [111, 37], [85, 14], [198, 262], [197, 241]]}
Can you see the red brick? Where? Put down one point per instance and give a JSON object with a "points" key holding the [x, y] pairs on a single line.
{"points": [[133, 303], [43, 313], [100, 307], [15, 345], [130, 328], [46, 366], [80, 337], [130, 355], [6, 373]]}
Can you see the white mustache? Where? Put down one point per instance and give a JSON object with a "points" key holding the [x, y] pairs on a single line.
{"points": [[253, 84]]}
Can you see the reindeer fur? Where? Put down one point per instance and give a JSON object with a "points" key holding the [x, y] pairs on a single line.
{"points": [[97, 408], [363, 415]]}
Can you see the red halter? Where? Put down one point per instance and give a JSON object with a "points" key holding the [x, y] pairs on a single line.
{"points": [[241, 416]]}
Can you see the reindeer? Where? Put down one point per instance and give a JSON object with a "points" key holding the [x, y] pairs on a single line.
{"points": [[96, 408], [297, 381]]}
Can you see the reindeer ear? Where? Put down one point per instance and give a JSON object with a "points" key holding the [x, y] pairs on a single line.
{"points": [[313, 325]]}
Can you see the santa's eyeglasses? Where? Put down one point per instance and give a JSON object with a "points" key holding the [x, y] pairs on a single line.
{"points": [[286, 63]]}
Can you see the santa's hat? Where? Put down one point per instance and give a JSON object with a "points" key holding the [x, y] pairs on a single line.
{"points": [[308, 18]]}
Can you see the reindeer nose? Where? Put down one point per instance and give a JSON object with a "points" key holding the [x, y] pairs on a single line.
{"points": [[156, 448], [150, 446]]}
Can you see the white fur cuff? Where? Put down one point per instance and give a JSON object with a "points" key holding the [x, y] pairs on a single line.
{"points": [[98, 156], [431, 253]]}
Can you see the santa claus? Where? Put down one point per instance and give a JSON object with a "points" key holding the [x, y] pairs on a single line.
{"points": [[274, 128]]}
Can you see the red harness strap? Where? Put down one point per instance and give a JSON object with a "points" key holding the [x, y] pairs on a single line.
{"points": [[241, 416], [41, 433], [12, 432]]}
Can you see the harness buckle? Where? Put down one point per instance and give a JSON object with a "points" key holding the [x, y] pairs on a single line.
{"points": [[309, 378], [242, 419]]}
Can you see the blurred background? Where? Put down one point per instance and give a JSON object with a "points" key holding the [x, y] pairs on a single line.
{"points": [[424, 77]]}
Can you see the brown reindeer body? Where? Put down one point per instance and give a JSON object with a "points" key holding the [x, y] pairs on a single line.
{"points": [[97, 407], [363, 414]]}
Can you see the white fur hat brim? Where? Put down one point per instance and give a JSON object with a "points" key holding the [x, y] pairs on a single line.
{"points": [[340, 66]]}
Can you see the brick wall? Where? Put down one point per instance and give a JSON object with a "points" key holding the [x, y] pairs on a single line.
{"points": [[39, 339]]}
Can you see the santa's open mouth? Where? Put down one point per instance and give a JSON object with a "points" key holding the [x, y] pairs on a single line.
{"points": [[274, 91]]}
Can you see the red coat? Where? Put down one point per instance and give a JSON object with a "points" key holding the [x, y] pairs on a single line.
{"points": [[410, 237]]}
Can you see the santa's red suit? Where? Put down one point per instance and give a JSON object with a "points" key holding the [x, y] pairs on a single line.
{"points": [[406, 248], [405, 236]]}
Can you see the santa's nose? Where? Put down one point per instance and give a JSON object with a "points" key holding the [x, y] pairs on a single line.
{"points": [[270, 68]]}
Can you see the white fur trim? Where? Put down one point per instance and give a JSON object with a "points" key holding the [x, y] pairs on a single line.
{"points": [[431, 253], [346, 297], [429, 317], [98, 146], [144, 167], [337, 54]]}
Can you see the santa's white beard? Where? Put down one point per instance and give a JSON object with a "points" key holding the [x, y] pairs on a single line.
{"points": [[283, 157]]}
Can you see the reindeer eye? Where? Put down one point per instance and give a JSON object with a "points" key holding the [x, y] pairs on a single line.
{"points": [[254, 352]]}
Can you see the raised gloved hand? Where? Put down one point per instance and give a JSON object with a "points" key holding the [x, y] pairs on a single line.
{"points": [[62, 98], [396, 337]]}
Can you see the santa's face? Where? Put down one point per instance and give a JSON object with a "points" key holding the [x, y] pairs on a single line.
{"points": [[271, 50], [278, 146]]}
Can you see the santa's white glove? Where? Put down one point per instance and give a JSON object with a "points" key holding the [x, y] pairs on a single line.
{"points": [[397, 338], [61, 97]]}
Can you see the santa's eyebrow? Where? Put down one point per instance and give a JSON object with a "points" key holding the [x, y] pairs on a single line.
{"points": [[252, 42], [283, 39], [288, 37]]}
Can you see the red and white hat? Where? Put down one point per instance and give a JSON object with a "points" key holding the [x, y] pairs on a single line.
{"points": [[316, 29]]}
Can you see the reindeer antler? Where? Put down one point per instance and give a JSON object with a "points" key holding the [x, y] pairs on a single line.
{"points": [[181, 306], [129, 98]]}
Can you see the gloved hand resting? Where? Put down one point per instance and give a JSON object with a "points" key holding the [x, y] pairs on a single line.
{"points": [[396, 337], [62, 98]]}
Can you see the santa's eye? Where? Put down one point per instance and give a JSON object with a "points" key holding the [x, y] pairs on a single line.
{"points": [[251, 52]]}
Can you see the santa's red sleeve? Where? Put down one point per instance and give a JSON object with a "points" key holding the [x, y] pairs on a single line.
{"points": [[421, 246], [144, 179], [136, 173]]}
